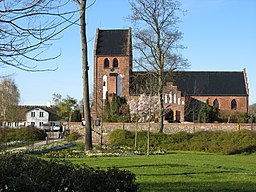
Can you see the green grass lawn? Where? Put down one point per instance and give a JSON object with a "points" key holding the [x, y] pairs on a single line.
{"points": [[186, 171]]}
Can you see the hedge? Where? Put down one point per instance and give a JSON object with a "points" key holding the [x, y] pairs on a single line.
{"points": [[21, 134], [30, 174], [208, 141]]}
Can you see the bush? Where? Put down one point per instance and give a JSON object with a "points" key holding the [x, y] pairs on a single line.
{"points": [[22, 134], [20, 173], [207, 113], [243, 118], [121, 138], [73, 136], [30, 134]]}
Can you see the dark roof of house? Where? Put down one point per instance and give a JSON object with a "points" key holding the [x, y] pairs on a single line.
{"points": [[204, 83], [23, 109], [112, 42]]}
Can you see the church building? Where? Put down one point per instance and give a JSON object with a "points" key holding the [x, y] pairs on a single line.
{"points": [[183, 90]]}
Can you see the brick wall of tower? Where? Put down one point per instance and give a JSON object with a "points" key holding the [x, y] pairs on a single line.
{"points": [[111, 73], [123, 69]]}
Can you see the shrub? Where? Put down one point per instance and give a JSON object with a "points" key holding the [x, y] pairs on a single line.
{"points": [[207, 113], [121, 138], [31, 134], [20, 173], [22, 134], [243, 118], [73, 136]]}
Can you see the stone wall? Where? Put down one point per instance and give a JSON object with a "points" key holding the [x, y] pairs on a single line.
{"points": [[169, 128]]}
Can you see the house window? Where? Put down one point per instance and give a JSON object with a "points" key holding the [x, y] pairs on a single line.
{"points": [[41, 114], [233, 104], [41, 124], [216, 103], [115, 62], [33, 114], [106, 63], [33, 124]]}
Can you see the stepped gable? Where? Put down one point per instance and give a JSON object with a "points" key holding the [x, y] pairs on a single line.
{"points": [[112, 42]]}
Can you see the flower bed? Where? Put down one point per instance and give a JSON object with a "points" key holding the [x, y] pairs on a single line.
{"points": [[53, 148]]}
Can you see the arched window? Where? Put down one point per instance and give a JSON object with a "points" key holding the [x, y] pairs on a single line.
{"points": [[115, 62], [106, 63], [233, 104], [119, 85], [216, 103], [104, 86], [169, 115]]}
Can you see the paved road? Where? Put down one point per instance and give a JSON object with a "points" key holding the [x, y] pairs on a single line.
{"points": [[51, 137]]}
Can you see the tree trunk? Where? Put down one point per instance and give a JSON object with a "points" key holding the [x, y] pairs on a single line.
{"points": [[160, 87], [161, 113], [85, 68]]}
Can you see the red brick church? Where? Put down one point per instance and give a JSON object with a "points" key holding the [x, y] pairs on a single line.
{"points": [[113, 73]]}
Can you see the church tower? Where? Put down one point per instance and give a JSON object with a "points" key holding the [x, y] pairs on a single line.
{"points": [[112, 66]]}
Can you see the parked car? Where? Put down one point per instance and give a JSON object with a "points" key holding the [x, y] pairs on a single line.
{"points": [[56, 128]]}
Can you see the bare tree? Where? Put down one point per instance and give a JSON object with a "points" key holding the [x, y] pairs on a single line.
{"points": [[27, 29], [9, 99], [157, 41], [85, 70]]}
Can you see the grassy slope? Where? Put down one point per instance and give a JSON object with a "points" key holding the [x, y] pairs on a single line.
{"points": [[186, 171]]}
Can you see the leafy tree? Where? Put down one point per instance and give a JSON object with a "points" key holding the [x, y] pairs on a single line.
{"points": [[117, 110], [114, 108], [9, 99], [76, 116], [207, 113], [157, 42], [56, 98], [66, 108], [106, 115]]}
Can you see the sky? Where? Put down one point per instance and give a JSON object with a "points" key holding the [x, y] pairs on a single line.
{"points": [[219, 35]]}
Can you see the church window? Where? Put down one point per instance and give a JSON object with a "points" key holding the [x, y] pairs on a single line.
{"points": [[119, 86], [216, 103], [104, 86], [106, 63], [233, 104], [115, 62]]}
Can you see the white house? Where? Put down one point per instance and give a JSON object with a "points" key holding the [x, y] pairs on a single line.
{"points": [[35, 116], [39, 117]]}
